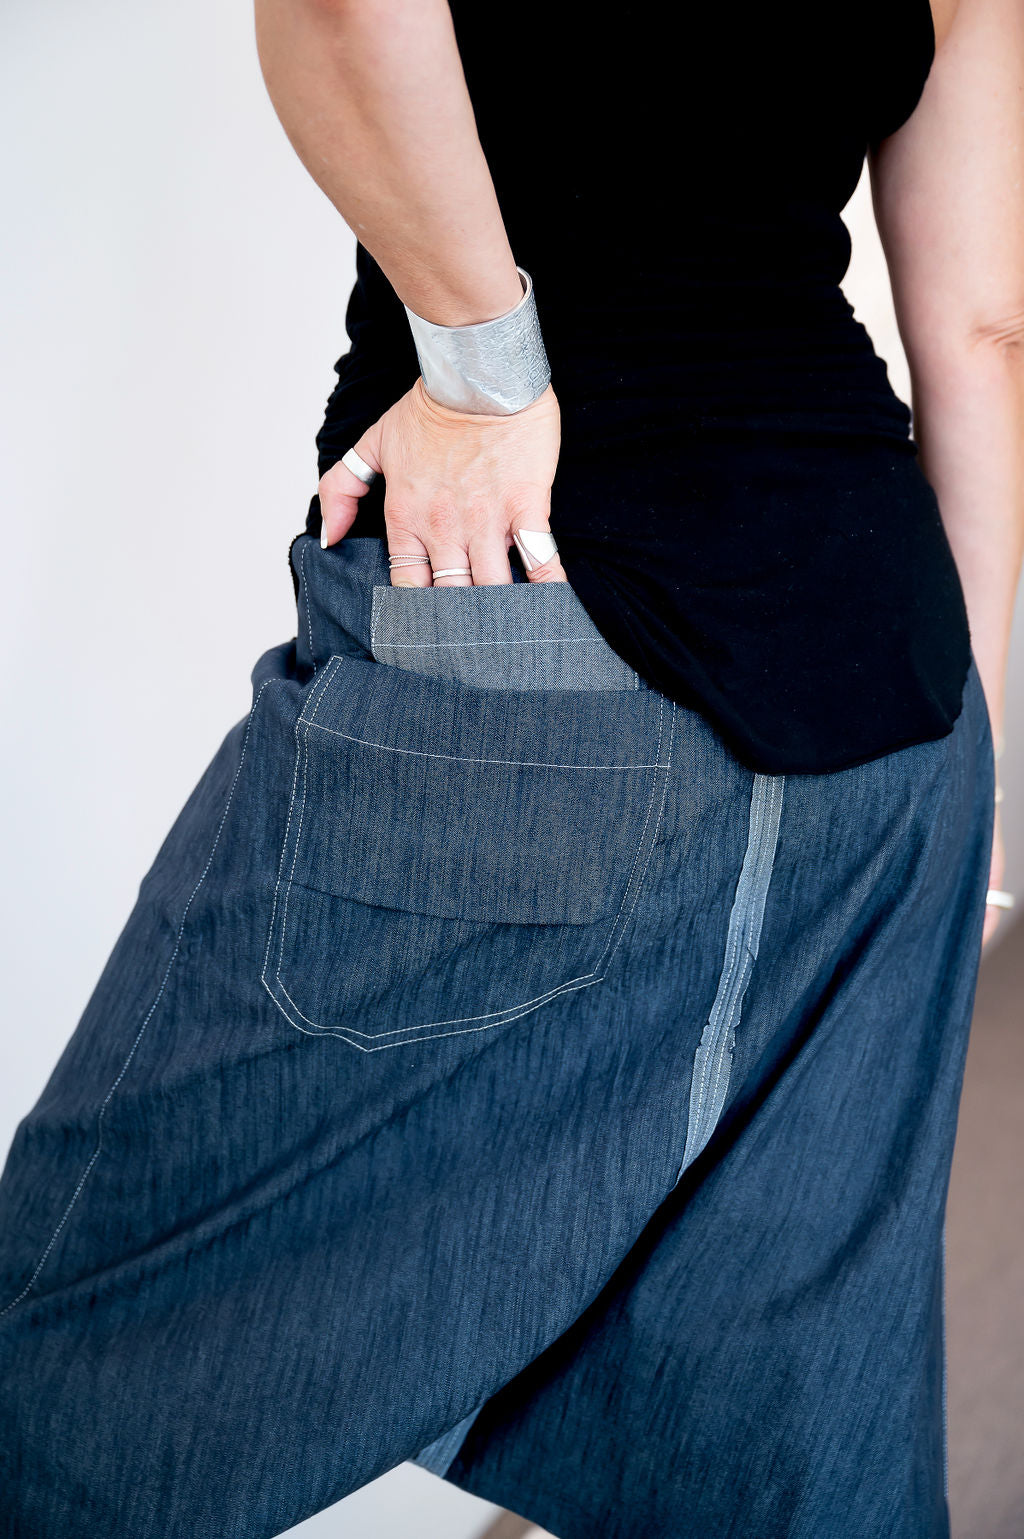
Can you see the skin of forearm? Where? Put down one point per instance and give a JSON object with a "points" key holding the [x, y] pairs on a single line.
{"points": [[372, 96], [968, 402]]}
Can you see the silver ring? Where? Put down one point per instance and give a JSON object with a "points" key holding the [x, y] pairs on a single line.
{"points": [[407, 560], [535, 546], [358, 466], [453, 571], [997, 898]]}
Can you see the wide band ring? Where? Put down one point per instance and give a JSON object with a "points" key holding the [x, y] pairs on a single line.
{"points": [[358, 466], [535, 546], [997, 898]]}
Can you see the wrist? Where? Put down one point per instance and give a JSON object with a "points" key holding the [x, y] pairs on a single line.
{"points": [[448, 416], [472, 304], [491, 368]]}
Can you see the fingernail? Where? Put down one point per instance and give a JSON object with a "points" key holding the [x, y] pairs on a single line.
{"points": [[323, 535]]}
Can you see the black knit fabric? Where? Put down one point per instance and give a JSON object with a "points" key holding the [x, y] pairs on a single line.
{"points": [[739, 502]]}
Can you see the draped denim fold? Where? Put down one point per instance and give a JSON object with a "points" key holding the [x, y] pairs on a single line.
{"points": [[494, 1072]]}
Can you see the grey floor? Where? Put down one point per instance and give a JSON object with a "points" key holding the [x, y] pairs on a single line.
{"points": [[985, 1262]]}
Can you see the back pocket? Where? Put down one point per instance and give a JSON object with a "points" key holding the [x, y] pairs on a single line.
{"points": [[454, 856]]}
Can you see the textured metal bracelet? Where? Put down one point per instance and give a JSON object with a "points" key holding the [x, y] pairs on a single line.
{"points": [[498, 367]]}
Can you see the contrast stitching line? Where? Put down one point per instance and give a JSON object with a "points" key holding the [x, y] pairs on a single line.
{"points": [[342, 1033], [305, 595], [733, 976], [511, 1012], [492, 1019], [375, 604], [650, 848], [496, 1018], [730, 971], [280, 868], [713, 1058], [747, 946], [291, 806], [316, 697], [523, 641], [725, 980], [291, 873], [593, 975], [712, 1050], [465, 759], [142, 1029], [319, 696]]}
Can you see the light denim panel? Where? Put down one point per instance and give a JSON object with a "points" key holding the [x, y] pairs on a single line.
{"points": [[713, 1060], [512, 636]]}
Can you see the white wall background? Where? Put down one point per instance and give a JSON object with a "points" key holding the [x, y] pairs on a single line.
{"points": [[172, 295]]}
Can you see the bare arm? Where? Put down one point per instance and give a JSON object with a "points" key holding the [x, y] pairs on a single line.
{"points": [[948, 192], [372, 95]]}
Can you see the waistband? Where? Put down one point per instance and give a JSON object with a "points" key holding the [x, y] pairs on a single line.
{"points": [[518, 635]]}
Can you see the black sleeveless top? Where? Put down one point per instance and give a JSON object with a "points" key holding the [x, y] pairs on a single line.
{"points": [[738, 502]]}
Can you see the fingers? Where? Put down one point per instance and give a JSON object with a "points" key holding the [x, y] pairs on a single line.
{"points": [[451, 565], [456, 559], [340, 490], [459, 486], [409, 560], [477, 559], [488, 559], [532, 519]]}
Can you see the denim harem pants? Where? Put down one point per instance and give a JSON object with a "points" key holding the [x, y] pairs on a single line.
{"points": [[494, 1072]]}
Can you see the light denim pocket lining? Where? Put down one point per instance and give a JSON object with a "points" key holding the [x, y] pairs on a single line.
{"points": [[713, 1059], [459, 633]]}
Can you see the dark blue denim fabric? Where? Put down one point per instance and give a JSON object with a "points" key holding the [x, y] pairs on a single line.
{"points": [[495, 1072]]}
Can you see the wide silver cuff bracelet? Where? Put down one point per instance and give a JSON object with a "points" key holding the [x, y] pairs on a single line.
{"points": [[497, 367]]}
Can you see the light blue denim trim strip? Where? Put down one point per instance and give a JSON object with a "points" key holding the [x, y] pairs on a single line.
{"points": [[713, 1060], [439, 1456], [517, 635]]}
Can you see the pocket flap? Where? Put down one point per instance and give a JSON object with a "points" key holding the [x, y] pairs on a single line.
{"points": [[487, 805]]}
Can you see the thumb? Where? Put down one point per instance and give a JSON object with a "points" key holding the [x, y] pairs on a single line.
{"points": [[340, 489]]}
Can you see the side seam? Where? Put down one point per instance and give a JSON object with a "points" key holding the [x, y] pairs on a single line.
{"points": [[98, 1149], [712, 1063], [439, 1456]]}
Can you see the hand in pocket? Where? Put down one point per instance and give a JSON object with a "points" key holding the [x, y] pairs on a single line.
{"points": [[459, 485]]}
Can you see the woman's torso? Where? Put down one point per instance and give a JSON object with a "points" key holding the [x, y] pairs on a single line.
{"points": [[738, 501]]}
